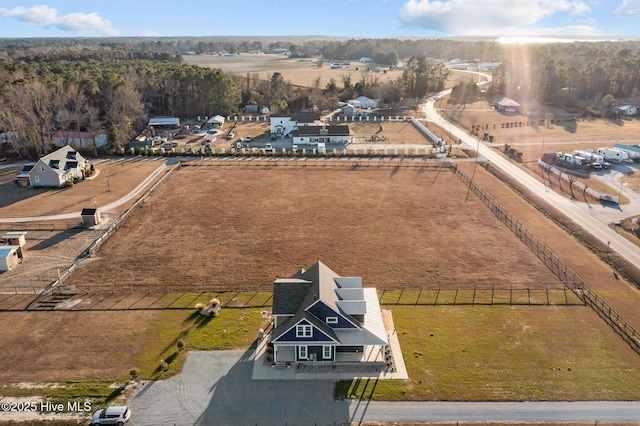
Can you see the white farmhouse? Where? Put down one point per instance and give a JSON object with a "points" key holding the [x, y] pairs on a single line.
{"points": [[281, 125]]}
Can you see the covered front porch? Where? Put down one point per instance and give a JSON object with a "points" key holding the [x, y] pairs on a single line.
{"points": [[318, 355]]}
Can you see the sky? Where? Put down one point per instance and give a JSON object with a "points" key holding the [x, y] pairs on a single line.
{"points": [[344, 18]]}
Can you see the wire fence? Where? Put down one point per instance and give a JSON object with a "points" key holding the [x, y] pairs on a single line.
{"points": [[108, 232], [564, 273]]}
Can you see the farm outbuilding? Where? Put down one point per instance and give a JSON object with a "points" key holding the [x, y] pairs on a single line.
{"points": [[216, 121], [14, 238], [90, 217], [10, 257], [507, 105], [164, 122]]}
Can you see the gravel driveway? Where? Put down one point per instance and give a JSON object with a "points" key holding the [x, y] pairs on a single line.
{"points": [[215, 388]]}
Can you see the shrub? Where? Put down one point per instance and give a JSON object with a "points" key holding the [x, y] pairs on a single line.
{"points": [[134, 373], [200, 306], [164, 366], [180, 344]]}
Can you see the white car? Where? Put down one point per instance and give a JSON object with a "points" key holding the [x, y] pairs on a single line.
{"points": [[115, 415], [248, 138]]}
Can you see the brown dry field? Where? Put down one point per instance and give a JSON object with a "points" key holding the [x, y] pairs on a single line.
{"points": [[565, 136], [298, 73], [123, 174], [243, 227], [57, 346]]}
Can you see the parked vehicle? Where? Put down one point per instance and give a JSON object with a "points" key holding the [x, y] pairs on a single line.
{"points": [[632, 151], [268, 146], [613, 155], [248, 138], [114, 415]]}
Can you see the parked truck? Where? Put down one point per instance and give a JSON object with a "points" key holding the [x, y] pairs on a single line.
{"points": [[613, 155]]}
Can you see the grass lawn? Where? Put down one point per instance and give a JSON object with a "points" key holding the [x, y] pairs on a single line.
{"points": [[504, 353], [230, 329]]}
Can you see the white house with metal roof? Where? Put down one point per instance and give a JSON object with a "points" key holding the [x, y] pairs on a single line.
{"points": [[364, 102], [323, 318], [56, 168]]}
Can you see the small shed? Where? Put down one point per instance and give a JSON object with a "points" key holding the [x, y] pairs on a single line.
{"points": [[23, 177], [14, 238], [90, 217], [10, 257]]}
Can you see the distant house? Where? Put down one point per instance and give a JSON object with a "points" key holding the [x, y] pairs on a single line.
{"points": [[507, 105], [216, 121], [282, 125], [364, 102], [625, 110], [313, 135], [80, 139], [255, 109], [322, 318], [280, 51], [365, 59], [351, 111], [55, 169]]}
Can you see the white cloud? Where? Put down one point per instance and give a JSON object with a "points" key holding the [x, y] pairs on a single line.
{"points": [[45, 16], [150, 33], [477, 17], [628, 7]]}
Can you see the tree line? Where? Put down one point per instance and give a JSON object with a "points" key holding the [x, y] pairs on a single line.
{"points": [[570, 75], [96, 88]]}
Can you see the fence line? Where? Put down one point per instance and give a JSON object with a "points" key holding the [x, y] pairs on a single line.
{"points": [[56, 225], [97, 243], [565, 177], [342, 163], [564, 273]]}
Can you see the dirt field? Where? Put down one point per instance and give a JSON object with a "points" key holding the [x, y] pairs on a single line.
{"points": [[533, 141], [246, 227], [51, 346], [298, 73]]}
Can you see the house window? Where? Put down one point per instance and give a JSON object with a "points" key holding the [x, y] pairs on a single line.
{"points": [[302, 352], [304, 331], [332, 320], [41, 168], [37, 178], [326, 352]]}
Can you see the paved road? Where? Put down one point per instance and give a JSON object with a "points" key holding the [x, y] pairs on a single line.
{"points": [[592, 217], [215, 388]]}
